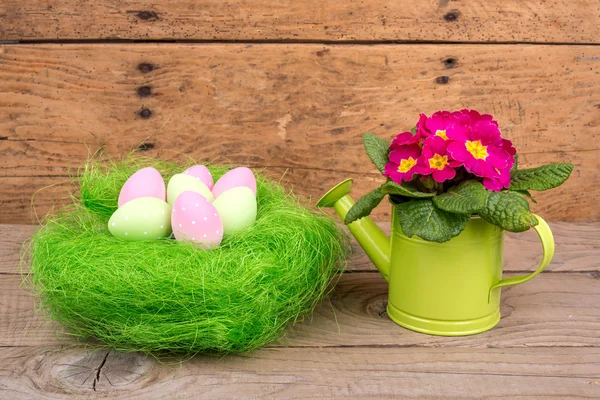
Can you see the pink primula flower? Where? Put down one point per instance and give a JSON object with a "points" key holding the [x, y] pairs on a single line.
{"points": [[438, 124], [405, 138], [403, 162], [480, 148], [472, 117], [448, 140], [503, 179], [498, 183], [436, 161]]}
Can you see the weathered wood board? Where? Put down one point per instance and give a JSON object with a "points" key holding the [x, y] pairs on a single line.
{"points": [[295, 108], [295, 373], [549, 21]]}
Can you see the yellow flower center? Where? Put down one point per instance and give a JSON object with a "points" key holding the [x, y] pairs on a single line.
{"points": [[441, 134], [406, 164], [478, 150], [438, 162]]}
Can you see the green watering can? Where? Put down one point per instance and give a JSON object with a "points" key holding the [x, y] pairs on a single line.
{"points": [[447, 289]]}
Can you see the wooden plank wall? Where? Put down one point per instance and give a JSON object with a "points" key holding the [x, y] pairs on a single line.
{"points": [[290, 86]]}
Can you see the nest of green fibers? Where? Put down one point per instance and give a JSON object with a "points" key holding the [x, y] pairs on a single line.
{"points": [[169, 296]]}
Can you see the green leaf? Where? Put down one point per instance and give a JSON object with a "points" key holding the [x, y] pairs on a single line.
{"points": [[413, 130], [542, 178], [509, 211], [424, 219], [467, 198], [377, 150], [408, 189], [526, 193], [364, 206]]}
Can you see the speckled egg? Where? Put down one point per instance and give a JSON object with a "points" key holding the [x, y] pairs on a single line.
{"points": [[144, 218], [180, 183], [237, 208], [241, 176], [147, 182], [201, 173], [195, 219]]}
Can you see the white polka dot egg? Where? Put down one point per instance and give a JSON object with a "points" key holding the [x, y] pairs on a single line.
{"points": [[144, 218], [195, 219], [201, 173], [237, 208], [240, 176], [147, 182]]}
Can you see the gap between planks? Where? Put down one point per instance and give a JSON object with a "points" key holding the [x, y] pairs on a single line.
{"points": [[288, 41]]}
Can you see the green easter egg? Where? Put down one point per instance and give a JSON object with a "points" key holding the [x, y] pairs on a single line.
{"points": [[237, 208], [180, 183], [144, 218]]}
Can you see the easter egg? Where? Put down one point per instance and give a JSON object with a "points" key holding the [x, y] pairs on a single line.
{"points": [[147, 182], [144, 218], [180, 183], [202, 173], [195, 219], [241, 176], [237, 208]]}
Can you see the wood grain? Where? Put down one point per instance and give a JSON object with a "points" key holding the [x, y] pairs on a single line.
{"points": [[285, 106], [577, 248], [408, 373], [552, 310], [11, 241], [305, 20]]}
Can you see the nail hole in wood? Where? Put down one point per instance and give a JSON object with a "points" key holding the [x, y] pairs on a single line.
{"points": [[145, 113], [146, 67], [147, 15], [144, 91], [452, 16], [442, 80], [450, 62]]}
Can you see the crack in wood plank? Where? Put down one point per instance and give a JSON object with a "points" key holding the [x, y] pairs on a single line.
{"points": [[98, 370]]}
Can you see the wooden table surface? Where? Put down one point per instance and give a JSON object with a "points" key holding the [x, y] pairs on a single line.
{"points": [[546, 345]]}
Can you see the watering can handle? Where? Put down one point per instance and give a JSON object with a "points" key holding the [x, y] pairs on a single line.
{"points": [[545, 234]]}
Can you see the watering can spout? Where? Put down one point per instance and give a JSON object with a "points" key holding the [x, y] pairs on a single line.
{"points": [[370, 237]]}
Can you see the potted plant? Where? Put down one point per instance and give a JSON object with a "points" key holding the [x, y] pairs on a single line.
{"points": [[455, 186]]}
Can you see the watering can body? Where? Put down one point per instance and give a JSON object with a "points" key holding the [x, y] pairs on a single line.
{"points": [[448, 289], [444, 288]]}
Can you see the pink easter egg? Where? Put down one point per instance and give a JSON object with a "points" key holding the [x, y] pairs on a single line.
{"points": [[202, 173], [241, 176], [195, 219], [147, 182]]}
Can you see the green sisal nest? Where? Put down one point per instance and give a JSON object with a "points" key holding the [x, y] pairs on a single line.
{"points": [[169, 296]]}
